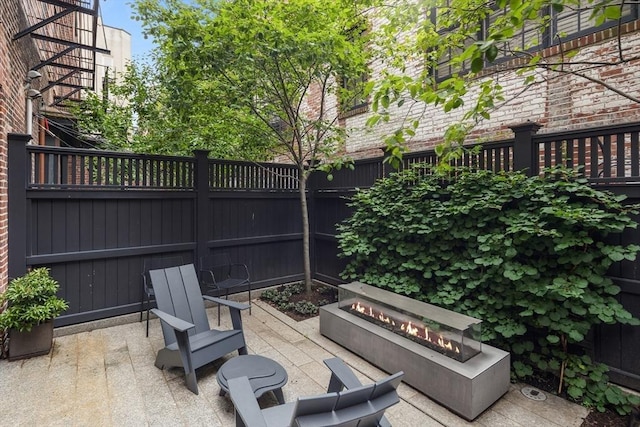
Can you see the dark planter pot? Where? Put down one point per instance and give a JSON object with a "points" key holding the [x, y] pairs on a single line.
{"points": [[36, 342]]}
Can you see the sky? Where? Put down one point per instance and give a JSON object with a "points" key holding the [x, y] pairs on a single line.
{"points": [[117, 13]]}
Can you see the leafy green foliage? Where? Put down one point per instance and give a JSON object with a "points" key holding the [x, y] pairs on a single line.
{"points": [[305, 308], [265, 58], [261, 59], [280, 296], [153, 110], [528, 256], [31, 300]]}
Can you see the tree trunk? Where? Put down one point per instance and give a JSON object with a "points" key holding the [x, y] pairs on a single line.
{"points": [[305, 230]]}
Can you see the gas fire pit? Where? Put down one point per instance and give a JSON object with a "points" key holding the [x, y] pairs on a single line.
{"points": [[440, 351], [454, 335]]}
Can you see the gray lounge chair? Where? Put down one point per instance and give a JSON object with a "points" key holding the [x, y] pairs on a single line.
{"points": [[346, 406], [189, 340]]}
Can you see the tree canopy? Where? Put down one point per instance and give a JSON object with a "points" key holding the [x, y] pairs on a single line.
{"points": [[278, 64], [266, 58]]}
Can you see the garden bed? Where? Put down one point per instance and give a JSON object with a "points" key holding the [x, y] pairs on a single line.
{"points": [[296, 302], [609, 418]]}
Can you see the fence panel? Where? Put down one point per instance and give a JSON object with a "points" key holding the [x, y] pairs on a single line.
{"points": [[261, 229], [96, 242], [605, 155]]}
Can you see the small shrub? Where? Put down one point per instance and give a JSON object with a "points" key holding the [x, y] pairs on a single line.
{"points": [[305, 308], [31, 300]]}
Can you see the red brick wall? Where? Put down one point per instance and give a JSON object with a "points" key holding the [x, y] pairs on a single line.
{"points": [[16, 58]]}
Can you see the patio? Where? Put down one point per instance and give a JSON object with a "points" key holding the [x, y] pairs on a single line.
{"points": [[102, 373]]}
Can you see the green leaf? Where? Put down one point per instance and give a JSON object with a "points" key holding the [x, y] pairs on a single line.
{"points": [[477, 64], [553, 339], [612, 12], [575, 392], [492, 53]]}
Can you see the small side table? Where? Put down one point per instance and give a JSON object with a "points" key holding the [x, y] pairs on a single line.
{"points": [[264, 375]]}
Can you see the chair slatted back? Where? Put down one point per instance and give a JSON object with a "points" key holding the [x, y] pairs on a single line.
{"points": [[361, 406], [387, 384], [156, 263], [178, 293]]}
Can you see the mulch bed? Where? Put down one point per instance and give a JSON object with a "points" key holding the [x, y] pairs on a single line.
{"points": [[606, 419], [315, 296]]}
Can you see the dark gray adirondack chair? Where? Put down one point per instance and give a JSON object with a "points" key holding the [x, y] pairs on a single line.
{"points": [[361, 406], [190, 342]]}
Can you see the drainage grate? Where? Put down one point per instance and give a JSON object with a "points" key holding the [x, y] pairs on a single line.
{"points": [[533, 394]]}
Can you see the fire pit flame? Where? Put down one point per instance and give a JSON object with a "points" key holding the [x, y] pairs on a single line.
{"points": [[418, 331]]}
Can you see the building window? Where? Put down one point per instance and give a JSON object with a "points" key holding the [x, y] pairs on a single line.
{"points": [[351, 92], [353, 99]]}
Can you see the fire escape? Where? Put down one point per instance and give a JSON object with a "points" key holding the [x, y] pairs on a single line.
{"points": [[65, 34]]}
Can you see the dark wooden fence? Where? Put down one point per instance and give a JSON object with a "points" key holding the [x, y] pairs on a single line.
{"points": [[93, 217]]}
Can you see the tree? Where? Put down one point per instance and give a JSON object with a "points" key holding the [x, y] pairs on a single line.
{"points": [[269, 57], [157, 109], [471, 36]]}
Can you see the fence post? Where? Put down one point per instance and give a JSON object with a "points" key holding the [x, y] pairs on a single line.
{"points": [[525, 151], [202, 204], [17, 204], [385, 167]]}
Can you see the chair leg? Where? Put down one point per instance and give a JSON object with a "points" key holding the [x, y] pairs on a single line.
{"points": [[279, 396], [249, 298], [142, 303], [148, 308]]}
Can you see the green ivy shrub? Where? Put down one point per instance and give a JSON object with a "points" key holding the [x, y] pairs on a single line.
{"points": [[528, 256], [31, 300]]}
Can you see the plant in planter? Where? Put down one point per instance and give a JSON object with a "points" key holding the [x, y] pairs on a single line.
{"points": [[31, 306]]}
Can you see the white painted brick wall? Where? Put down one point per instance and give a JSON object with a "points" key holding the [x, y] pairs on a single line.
{"points": [[557, 101]]}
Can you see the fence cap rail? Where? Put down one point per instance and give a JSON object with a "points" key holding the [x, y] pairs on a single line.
{"points": [[103, 153]]}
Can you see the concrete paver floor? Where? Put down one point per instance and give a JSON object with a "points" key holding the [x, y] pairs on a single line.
{"points": [[107, 377]]}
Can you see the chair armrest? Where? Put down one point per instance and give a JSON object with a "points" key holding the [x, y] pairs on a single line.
{"points": [[230, 304], [177, 324], [206, 277], [245, 403], [341, 375], [240, 268]]}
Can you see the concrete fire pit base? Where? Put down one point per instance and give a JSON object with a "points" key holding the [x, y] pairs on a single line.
{"points": [[465, 388]]}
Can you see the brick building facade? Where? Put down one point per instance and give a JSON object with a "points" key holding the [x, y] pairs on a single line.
{"points": [[558, 101], [48, 38], [16, 59]]}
